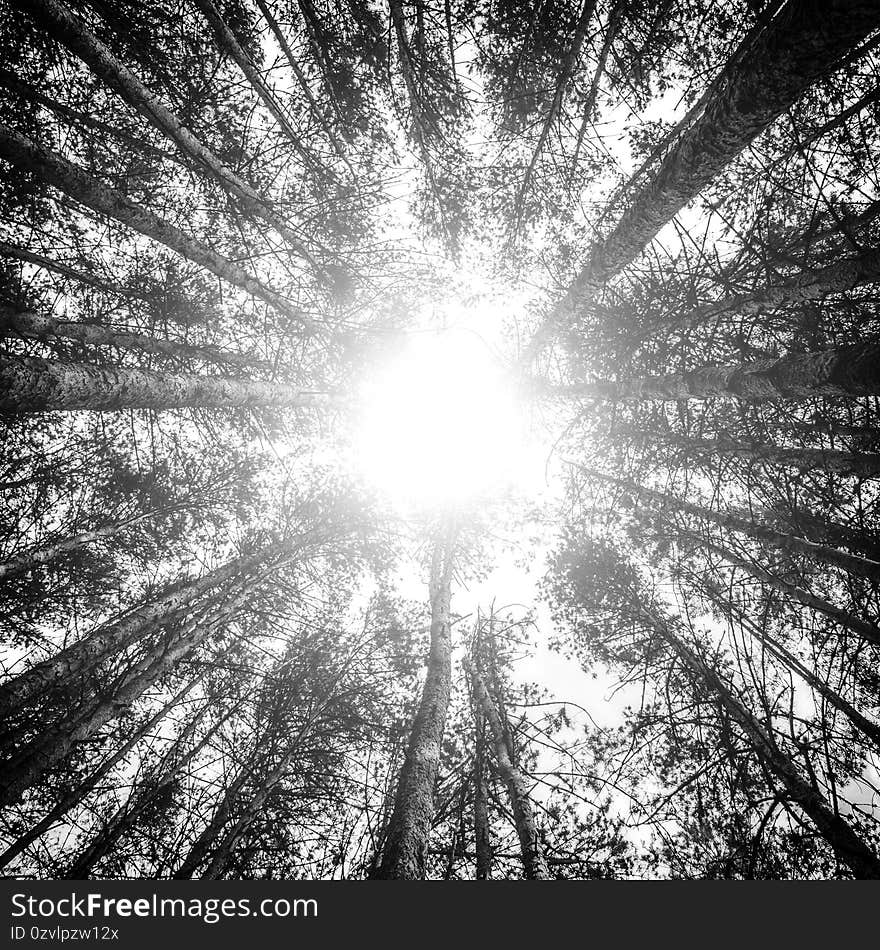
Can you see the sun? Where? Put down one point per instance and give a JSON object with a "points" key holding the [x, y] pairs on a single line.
{"points": [[441, 423]]}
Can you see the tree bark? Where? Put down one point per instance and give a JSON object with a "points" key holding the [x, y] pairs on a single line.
{"points": [[127, 815], [869, 729], [115, 635], [73, 33], [406, 841], [23, 323], [534, 863], [230, 45], [27, 767], [76, 795], [23, 254], [853, 564], [204, 842], [31, 384], [482, 834], [861, 628], [842, 371], [810, 284], [801, 45], [88, 191], [860, 464], [840, 835]]}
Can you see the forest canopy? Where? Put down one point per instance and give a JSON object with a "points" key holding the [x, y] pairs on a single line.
{"points": [[440, 439]]}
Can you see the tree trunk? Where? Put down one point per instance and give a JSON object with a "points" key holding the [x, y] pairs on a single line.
{"points": [[869, 729], [22, 254], [840, 835], [27, 767], [861, 628], [30, 384], [406, 842], [841, 371], [22, 323], [860, 464], [142, 796], [115, 635], [860, 566], [534, 863], [314, 107], [35, 557], [810, 284], [88, 191], [204, 842], [482, 834], [228, 42], [566, 69], [801, 45], [76, 795], [69, 30]]}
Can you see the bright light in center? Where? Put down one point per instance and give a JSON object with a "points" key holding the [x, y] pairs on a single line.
{"points": [[441, 424]]}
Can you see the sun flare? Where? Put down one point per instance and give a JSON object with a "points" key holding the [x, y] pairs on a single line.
{"points": [[442, 423]]}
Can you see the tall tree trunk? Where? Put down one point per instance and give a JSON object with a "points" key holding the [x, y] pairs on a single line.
{"points": [[28, 766], [71, 31], [848, 621], [75, 795], [838, 535], [31, 384], [123, 632], [534, 863], [142, 797], [228, 42], [23, 254], [46, 553], [94, 194], [205, 841], [566, 69], [840, 835], [861, 464], [314, 107], [868, 728], [22, 323], [841, 371], [482, 835], [810, 284], [801, 45], [860, 566], [406, 841]]}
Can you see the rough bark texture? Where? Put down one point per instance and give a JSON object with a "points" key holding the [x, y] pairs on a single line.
{"points": [[85, 189], [802, 44], [482, 836], [406, 842], [841, 371], [853, 564], [31, 384], [36, 557], [840, 835], [534, 863]]}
